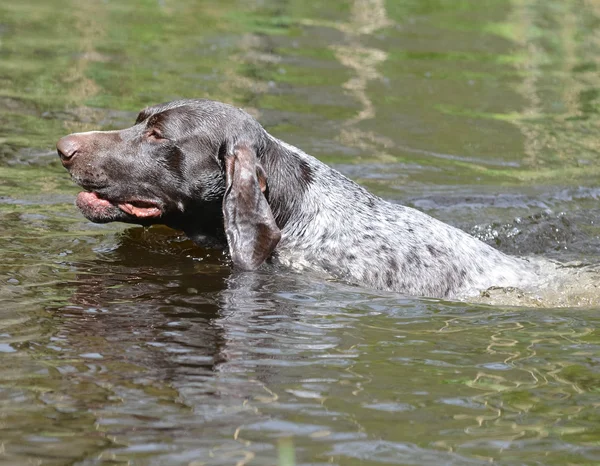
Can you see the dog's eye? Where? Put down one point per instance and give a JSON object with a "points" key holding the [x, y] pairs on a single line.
{"points": [[155, 135]]}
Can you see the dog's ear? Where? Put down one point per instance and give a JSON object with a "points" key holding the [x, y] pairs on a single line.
{"points": [[252, 233]]}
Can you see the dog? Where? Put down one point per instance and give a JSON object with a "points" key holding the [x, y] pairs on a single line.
{"points": [[211, 170]]}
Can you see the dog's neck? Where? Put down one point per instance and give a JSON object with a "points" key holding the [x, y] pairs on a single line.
{"points": [[302, 188], [289, 176]]}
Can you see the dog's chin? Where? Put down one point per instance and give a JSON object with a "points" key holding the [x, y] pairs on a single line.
{"points": [[100, 210]]}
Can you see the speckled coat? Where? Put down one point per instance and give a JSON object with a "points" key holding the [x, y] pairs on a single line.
{"points": [[212, 170]]}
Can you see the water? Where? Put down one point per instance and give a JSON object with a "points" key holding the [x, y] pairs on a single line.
{"points": [[120, 345]]}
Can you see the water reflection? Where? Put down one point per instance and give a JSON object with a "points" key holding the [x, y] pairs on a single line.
{"points": [[183, 350], [367, 17], [159, 353], [138, 347], [564, 103]]}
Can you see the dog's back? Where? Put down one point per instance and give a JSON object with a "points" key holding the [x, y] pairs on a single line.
{"points": [[347, 232]]}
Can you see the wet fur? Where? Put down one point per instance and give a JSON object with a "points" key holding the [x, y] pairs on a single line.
{"points": [[328, 223]]}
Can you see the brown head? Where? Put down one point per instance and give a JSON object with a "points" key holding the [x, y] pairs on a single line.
{"points": [[189, 164]]}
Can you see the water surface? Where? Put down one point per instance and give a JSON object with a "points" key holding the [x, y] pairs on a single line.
{"points": [[123, 345]]}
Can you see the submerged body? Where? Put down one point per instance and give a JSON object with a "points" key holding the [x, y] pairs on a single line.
{"points": [[211, 170], [345, 231]]}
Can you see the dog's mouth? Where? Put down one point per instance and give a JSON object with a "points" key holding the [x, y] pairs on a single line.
{"points": [[140, 209], [98, 208]]}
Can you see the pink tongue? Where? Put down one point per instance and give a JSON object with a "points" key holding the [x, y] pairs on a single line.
{"points": [[142, 212]]}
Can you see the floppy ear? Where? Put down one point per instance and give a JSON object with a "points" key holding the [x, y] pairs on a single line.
{"points": [[252, 233]]}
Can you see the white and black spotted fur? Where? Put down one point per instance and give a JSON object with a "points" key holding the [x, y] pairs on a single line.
{"points": [[211, 170]]}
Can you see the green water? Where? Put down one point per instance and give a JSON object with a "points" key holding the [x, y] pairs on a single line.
{"points": [[126, 346]]}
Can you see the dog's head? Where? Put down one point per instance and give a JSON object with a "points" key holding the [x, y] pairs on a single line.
{"points": [[189, 164]]}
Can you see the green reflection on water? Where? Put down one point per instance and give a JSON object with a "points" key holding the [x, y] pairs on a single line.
{"points": [[380, 76]]}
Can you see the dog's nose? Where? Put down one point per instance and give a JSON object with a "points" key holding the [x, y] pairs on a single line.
{"points": [[67, 148]]}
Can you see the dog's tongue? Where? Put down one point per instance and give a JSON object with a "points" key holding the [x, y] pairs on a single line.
{"points": [[141, 212]]}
